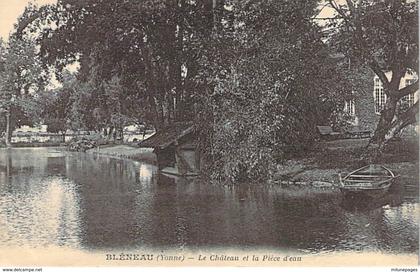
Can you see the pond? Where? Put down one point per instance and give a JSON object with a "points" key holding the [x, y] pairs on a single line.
{"points": [[83, 201]]}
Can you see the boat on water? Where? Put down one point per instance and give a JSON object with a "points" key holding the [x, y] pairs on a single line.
{"points": [[372, 180]]}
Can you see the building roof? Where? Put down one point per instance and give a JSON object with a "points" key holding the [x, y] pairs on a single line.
{"points": [[168, 135]]}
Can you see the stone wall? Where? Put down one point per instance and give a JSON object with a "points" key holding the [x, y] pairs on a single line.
{"points": [[365, 102]]}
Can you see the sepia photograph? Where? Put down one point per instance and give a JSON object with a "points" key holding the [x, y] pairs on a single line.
{"points": [[185, 133]]}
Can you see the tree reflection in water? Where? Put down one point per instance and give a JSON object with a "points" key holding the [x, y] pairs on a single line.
{"points": [[88, 201]]}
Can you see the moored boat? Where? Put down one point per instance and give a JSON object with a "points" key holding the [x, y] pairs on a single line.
{"points": [[372, 180]]}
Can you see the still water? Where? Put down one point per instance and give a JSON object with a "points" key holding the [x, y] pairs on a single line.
{"points": [[85, 201]]}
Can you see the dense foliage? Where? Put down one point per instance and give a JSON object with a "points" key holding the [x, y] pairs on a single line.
{"points": [[270, 81], [254, 76], [21, 77]]}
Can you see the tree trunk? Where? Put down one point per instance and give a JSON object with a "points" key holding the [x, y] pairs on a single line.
{"points": [[391, 124], [178, 64], [114, 135], [157, 121], [120, 133], [387, 115], [111, 133]]}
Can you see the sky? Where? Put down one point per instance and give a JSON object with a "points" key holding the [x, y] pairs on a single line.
{"points": [[10, 10]]}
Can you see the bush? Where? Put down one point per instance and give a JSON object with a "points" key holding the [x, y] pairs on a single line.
{"points": [[81, 145]]}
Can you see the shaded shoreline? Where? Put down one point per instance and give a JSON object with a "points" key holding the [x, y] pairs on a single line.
{"points": [[318, 168], [322, 165], [125, 152], [23, 144]]}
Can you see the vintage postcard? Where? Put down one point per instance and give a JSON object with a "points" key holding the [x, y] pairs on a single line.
{"points": [[269, 133]]}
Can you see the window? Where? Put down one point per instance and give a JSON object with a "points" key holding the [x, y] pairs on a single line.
{"points": [[379, 95], [349, 107], [408, 100]]}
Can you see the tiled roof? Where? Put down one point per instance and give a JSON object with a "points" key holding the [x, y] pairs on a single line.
{"points": [[168, 135]]}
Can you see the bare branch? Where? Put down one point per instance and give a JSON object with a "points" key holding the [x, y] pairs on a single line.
{"points": [[335, 6], [350, 4], [410, 89], [409, 116], [373, 64], [326, 18], [25, 22]]}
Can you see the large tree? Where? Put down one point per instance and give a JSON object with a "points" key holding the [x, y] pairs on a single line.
{"points": [[384, 36], [141, 43], [269, 80], [21, 76], [255, 76]]}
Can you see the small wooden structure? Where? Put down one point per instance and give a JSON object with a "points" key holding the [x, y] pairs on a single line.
{"points": [[176, 149], [327, 133], [357, 132]]}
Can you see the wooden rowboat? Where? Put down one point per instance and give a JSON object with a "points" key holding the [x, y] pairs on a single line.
{"points": [[371, 180]]}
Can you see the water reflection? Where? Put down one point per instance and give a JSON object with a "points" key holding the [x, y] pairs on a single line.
{"points": [[38, 204], [48, 197]]}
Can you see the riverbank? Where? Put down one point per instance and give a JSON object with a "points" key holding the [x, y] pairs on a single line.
{"points": [[23, 144], [319, 167], [322, 165], [125, 151]]}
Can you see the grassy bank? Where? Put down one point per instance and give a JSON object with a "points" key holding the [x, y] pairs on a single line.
{"points": [[125, 151], [321, 166], [46, 144]]}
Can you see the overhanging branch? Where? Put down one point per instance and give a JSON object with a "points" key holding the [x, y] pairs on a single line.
{"points": [[373, 64], [25, 22], [409, 116], [353, 23], [408, 90]]}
